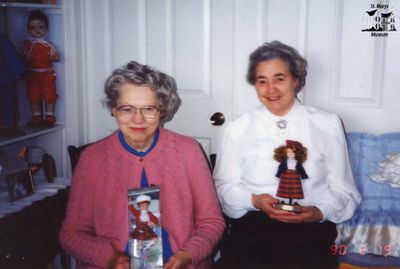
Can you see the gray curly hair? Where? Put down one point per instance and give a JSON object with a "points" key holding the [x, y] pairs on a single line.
{"points": [[143, 75], [276, 49]]}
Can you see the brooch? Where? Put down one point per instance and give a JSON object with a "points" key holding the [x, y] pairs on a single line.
{"points": [[281, 124]]}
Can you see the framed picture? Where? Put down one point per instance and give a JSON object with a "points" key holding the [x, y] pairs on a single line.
{"points": [[20, 184]]}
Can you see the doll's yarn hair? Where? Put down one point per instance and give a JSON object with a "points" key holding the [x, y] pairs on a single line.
{"points": [[38, 15], [281, 156]]}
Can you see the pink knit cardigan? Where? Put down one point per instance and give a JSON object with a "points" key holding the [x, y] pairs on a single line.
{"points": [[96, 222]]}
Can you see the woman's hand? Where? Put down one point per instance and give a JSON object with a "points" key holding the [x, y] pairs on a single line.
{"points": [[265, 203], [179, 260], [118, 261], [307, 214]]}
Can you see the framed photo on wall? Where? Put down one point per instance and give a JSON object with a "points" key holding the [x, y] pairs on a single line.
{"points": [[20, 184]]}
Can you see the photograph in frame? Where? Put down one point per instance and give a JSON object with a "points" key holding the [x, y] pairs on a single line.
{"points": [[20, 185]]}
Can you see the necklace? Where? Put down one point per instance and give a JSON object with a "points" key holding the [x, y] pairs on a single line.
{"points": [[281, 124]]}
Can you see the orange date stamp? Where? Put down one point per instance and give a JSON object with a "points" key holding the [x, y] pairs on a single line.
{"points": [[385, 250]]}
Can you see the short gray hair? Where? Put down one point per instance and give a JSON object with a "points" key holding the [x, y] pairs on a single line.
{"points": [[276, 49], [143, 75]]}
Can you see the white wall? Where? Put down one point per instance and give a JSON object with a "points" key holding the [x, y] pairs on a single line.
{"points": [[350, 72]]}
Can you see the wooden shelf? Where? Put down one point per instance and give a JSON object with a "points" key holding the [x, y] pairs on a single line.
{"points": [[30, 5], [30, 132]]}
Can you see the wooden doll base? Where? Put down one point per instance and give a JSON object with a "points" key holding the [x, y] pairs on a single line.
{"points": [[288, 207]]}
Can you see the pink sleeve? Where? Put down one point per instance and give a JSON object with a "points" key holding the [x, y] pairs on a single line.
{"points": [[77, 235]]}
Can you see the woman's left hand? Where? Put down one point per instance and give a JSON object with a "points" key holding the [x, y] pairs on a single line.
{"points": [[307, 214], [179, 260], [118, 261]]}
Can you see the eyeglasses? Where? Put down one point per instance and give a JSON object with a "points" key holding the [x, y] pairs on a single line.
{"points": [[148, 112]]}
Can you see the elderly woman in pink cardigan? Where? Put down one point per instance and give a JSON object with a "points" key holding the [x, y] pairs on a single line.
{"points": [[142, 153]]}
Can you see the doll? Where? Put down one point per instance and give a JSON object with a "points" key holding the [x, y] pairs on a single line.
{"points": [[143, 231], [39, 55], [144, 219], [11, 69], [290, 172]]}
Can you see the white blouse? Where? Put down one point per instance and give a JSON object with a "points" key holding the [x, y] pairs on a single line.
{"points": [[245, 163]]}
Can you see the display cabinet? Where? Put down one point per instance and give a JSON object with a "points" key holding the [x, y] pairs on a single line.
{"points": [[13, 17], [29, 237]]}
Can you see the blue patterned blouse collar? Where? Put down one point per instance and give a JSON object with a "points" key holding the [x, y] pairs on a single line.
{"points": [[134, 151]]}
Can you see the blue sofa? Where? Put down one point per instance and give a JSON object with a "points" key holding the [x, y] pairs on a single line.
{"points": [[371, 238]]}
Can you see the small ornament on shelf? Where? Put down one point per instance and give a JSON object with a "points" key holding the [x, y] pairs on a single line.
{"points": [[37, 158], [20, 184], [49, 166]]}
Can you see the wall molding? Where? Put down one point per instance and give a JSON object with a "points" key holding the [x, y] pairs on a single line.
{"points": [[204, 90], [338, 80]]}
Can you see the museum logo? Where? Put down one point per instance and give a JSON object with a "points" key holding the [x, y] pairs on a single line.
{"points": [[379, 20]]}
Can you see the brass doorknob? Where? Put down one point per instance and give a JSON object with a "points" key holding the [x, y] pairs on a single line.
{"points": [[217, 119]]}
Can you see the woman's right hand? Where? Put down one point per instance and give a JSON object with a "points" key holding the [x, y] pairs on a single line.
{"points": [[118, 261], [265, 203]]}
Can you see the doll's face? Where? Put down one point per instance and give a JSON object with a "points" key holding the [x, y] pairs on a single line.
{"points": [[143, 205], [290, 153], [36, 28]]}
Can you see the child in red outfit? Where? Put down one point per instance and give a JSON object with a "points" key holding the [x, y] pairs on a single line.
{"points": [[39, 55]]}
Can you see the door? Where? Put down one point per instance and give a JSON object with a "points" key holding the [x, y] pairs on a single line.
{"points": [[353, 72], [205, 45], [202, 66]]}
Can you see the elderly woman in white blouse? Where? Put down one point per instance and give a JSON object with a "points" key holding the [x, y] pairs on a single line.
{"points": [[261, 234]]}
